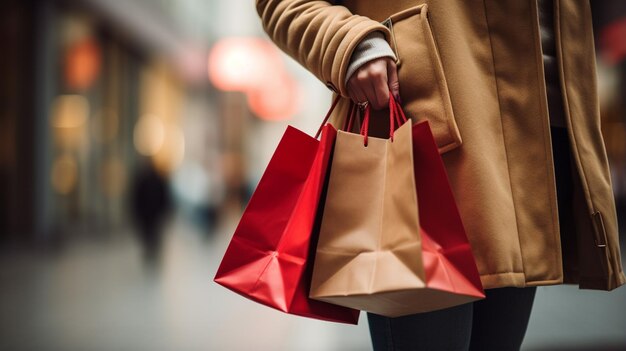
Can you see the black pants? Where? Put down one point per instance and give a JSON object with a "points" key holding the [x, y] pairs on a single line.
{"points": [[496, 323]]}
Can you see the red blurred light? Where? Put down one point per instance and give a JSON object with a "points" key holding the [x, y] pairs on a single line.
{"points": [[613, 42], [254, 66], [82, 64], [242, 64], [278, 99]]}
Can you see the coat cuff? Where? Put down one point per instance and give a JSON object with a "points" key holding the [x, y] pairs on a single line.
{"points": [[373, 46]]}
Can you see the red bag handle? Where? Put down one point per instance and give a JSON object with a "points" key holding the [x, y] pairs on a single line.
{"points": [[352, 113], [398, 112], [332, 107], [396, 118], [365, 125], [348, 122], [400, 116]]}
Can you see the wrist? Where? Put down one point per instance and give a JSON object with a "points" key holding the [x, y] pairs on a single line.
{"points": [[372, 47]]}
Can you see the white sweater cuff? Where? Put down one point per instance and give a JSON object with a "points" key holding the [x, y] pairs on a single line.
{"points": [[372, 47]]}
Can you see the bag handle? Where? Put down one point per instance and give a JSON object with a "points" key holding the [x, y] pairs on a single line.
{"points": [[400, 116], [349, 121], [396, 118], [332, 108]]}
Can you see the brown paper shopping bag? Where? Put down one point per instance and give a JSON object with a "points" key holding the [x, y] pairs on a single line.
{"points": [[369, 247], [372, 250]]}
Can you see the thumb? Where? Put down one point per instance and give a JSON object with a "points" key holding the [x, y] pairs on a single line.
{"points": [[392, 79]]}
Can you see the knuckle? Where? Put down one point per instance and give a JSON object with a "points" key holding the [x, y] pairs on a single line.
{"points": [[362, 75], [378, 71]]}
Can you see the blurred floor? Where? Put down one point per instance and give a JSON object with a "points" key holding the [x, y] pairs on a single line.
{"points": [[101, 296]]}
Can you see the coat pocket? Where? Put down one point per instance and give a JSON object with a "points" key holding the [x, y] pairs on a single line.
{"points": [[423, 86]]}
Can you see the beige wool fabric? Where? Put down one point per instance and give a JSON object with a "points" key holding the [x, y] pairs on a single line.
{"points": [[474, 69]]}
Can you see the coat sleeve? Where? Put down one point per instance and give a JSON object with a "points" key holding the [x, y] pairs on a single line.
{"points": [[317, 34]]}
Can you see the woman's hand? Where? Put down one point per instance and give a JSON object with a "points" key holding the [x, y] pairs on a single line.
{"points": [[373, 81]]}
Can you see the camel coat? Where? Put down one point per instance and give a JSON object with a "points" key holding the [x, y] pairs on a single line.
{"points": [[474, 70]]}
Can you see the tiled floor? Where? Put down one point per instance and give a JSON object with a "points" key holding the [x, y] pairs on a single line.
{"points": [[100, 296]]}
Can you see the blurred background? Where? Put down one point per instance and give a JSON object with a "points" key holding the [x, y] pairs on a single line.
{"points": [[131, 136]]}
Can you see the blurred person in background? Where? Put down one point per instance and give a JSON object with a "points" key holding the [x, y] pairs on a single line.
{"points": [[151, 202], [610, 28], [531, 177], [609, 19]]}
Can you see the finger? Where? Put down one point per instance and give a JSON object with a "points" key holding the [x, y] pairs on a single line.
{"points": [[355, 91], [380, 88], [373, 81], [392, 79], [365, 83]]}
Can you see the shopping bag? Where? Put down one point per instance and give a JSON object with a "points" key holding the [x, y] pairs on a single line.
{"points": [[449, 264], [269, 257], [374, 252]]}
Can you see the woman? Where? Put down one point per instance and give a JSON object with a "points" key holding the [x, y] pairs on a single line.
{"points": [[516, 117]]}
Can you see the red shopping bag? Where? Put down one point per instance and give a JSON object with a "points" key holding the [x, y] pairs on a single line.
{"points": [[449, 263], [269, 259]]}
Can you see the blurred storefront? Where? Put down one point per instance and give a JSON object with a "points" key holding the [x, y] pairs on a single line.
{"points": [[93, 91]]}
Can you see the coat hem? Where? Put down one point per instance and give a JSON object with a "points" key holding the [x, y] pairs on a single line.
{"points": [[602, 283], [518, 280], [513, 279]]}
